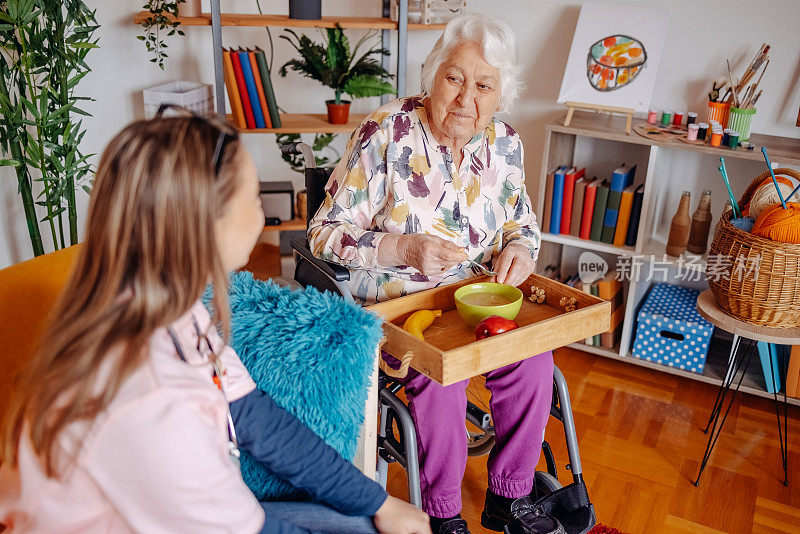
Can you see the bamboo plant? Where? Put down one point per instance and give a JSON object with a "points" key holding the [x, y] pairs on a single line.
{"points": [[43, 48]]}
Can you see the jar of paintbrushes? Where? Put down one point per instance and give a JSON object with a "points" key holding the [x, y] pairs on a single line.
{"points": [[731, 101]]}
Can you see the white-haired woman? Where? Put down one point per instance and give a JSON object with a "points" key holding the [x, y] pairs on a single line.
{"points": [[427, 183]]}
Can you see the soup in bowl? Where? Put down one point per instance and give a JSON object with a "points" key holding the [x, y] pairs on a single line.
{"points": [[476, 302]]}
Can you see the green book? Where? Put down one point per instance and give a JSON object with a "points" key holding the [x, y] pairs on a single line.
{"points": [[598, 216], [594, 289], [266, 82], [612, 213]]}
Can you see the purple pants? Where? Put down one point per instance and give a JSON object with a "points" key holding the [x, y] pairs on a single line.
{"points": [[520, 404]]}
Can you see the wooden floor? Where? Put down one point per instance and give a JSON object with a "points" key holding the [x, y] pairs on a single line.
{"points": [[641, 442]]}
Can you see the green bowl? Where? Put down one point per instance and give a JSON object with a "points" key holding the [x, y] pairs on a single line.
{"points": [[473, 313]]}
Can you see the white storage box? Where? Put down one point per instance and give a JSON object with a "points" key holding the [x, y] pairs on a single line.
{"points": [[197, 97]]}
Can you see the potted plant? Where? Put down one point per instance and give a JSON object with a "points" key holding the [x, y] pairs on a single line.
{"points": [[43, 48], [335, 65]]}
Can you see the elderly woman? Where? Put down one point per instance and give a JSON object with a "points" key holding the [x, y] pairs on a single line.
{"points": [[427, 183]]}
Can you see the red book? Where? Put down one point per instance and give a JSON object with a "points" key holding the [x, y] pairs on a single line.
{"points": [[588, 208], [566, 205], [248, 110]]}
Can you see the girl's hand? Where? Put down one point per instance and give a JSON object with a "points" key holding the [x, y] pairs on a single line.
{"points": [[398, 517], [429, 254], [514, 265]]}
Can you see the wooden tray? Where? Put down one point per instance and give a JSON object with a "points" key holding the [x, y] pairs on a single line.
{"points": [[450, 353]]}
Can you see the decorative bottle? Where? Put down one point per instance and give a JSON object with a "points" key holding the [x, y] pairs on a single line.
{"points": [[679, 228], [701, 224]]}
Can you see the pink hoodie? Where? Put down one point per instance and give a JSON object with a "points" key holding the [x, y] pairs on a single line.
{"points": [[156, 460]]}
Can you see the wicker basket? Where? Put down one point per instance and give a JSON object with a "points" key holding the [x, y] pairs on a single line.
{"points": [[754, 279]]}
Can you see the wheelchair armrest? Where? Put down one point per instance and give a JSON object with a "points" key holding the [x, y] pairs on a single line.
{"points": [[332, 270]]}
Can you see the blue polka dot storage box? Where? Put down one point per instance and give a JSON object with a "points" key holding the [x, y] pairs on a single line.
{"points": [[669, 330]]}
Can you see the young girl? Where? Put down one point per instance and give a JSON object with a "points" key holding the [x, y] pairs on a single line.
{"points": [[131, 415]]}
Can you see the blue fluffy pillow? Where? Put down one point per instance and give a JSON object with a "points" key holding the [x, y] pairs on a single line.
{"points": [[313, 353]]}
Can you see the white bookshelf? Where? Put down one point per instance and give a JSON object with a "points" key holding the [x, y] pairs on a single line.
{"points": [[599, 144]]}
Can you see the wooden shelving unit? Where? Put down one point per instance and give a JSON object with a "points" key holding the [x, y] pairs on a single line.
{"points": [[286, 226], [260, 21], [561, 147], [308, 123], [299, 122]]}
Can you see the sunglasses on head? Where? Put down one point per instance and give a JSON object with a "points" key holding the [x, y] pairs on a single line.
{"points": [[222, 140]]}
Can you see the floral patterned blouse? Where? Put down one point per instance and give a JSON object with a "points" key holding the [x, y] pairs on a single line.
{"points": [[395, 178]]}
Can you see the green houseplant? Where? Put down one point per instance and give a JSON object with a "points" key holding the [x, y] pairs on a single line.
{"points": [[161, 21], [43, 48], [335, 65]]}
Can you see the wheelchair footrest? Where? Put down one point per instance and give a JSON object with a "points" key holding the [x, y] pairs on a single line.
{"points": [[571, 506]]}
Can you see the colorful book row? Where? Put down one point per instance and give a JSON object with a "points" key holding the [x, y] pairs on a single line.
{"points": [[608, 288], [774, 359], [593, 208], [249, 86]]}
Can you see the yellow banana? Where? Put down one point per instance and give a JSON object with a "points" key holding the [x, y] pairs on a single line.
{"points": [[419, 321]]}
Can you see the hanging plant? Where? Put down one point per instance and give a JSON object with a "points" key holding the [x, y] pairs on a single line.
{"points": [[162, 22], [43, 48]]}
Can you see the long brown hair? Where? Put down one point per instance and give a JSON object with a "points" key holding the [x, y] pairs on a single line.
{"points": [[149, 252]]}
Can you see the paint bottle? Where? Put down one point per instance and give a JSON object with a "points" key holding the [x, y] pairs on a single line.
{"points": [[691, 118], [726, 135], [679, 227], [666, 116], [716, 138], [692, 135], [652, 116], [677, 119], [701, 224], [702, 130], [733, 140]]}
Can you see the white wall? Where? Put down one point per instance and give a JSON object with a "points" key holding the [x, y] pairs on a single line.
{"points": [[700, 36]]}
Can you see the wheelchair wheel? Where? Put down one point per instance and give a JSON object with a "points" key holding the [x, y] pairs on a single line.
{"points": [[544, 484], [480, 436]]}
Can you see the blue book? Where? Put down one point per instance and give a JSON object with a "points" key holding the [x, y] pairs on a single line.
{"points": [[621, 178], [558, 198], [771, 356], [252, 91]]}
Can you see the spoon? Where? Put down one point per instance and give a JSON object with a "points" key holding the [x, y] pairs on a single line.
{"points": [[482, 268]]}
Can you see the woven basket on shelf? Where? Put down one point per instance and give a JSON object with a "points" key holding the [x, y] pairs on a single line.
{"points": [[755, 279]]}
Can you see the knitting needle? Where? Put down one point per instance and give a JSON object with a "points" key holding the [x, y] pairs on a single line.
{"points": [[723, 171], [774, 181], [793, 193]]}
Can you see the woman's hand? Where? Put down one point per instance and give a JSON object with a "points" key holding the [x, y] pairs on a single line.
{"points": [[398, 517], [426, 253], [514, 265]]}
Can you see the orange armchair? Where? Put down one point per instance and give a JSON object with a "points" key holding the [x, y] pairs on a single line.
{"points": [[28, 291]]}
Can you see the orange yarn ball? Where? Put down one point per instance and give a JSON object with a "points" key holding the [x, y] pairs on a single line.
{"points": [[778, 224]]}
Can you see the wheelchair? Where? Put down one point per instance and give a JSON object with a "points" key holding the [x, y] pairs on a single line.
{"points": [[570, 503]]}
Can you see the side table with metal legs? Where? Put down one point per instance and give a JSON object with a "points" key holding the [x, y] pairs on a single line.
{"points": [[745, 337]]}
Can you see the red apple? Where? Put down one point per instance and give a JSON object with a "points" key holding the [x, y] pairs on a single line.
{"points": [[493, 325]]}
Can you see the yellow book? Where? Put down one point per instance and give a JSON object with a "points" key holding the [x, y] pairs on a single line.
{"points": [[233, 90], [624, 216], [793, 374]]}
